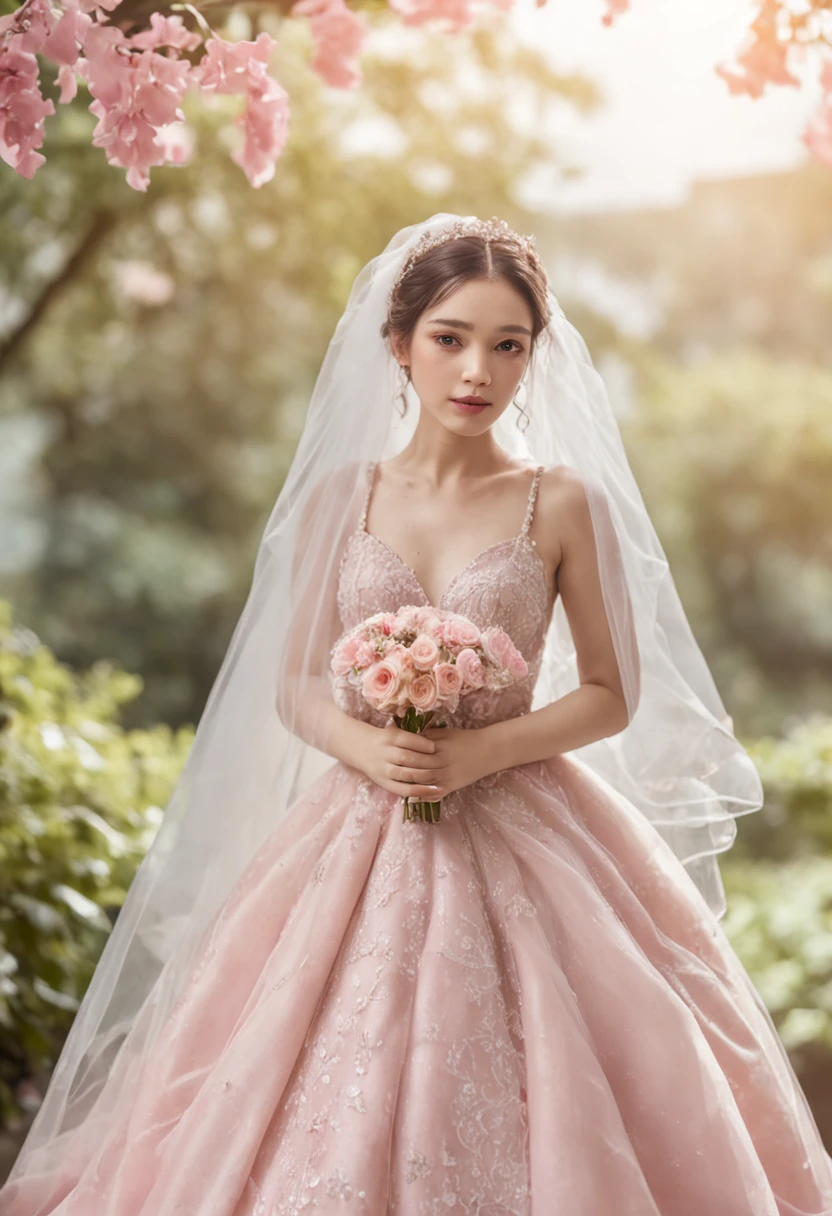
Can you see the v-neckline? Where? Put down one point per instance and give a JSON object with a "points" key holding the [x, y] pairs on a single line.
{"points": [[497, 544], [515, 540]]}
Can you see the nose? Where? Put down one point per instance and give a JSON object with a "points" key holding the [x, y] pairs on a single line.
{"points": [[476, 373]]}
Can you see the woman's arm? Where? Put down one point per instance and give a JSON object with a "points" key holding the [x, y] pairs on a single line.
{"points": [[393, 758], [304, 699], [598, 707]]}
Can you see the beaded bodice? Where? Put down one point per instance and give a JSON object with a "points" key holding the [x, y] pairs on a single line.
{"points": [[504, 584]]}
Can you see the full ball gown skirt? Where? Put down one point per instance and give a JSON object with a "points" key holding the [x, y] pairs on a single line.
{"points": [[527, 1008]]}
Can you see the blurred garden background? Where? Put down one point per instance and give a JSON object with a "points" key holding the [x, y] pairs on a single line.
{"points": [[157, 351]]}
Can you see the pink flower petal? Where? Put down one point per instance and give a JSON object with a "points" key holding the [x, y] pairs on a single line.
{"points": [[614, 8], [68, 82], [64, 42], [22, 111], [229, 67], [31, 24], [339, 35], [166, 31], [456, 14], [242, 67]]}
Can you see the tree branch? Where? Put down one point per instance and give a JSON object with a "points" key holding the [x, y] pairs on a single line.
{"points": [[102, 222]]}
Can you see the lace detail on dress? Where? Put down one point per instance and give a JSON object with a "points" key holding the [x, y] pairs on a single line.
{"points": [[505, 584], [428, 921], [427, 895]]}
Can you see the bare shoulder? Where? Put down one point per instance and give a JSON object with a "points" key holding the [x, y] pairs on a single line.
{"points": [[560, 511], [561, 487]]}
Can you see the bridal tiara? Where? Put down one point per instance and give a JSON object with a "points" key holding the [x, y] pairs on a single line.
{"points": [[489, 230]]}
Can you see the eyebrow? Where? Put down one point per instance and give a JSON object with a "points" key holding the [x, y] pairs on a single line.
{"points": [[503, 329]]}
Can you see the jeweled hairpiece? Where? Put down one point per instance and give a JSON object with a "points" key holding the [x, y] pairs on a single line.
{"points": [[489, 230]]}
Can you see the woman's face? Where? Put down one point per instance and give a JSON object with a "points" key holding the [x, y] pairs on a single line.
{"points": [[476, 343]]}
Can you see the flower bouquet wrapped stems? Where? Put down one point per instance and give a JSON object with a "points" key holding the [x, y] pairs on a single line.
{"points": [[417, 663], [414, 721]]}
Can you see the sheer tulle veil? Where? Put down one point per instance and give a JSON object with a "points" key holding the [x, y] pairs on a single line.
{"points": [[677, 761]]}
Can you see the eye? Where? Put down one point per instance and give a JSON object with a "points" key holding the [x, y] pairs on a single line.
{"points": [[509, 342]]}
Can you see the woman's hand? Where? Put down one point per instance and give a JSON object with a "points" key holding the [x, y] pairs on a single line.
{"points": [[399, 761], [461, 757]]}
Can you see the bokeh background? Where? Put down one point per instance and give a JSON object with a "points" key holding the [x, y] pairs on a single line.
{"points": [[156, 355]]}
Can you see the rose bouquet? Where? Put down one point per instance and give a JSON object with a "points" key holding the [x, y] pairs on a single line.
{"points": [[416, 664]]}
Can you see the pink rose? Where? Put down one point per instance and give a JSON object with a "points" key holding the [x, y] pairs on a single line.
{"points": [[379, 681], [345, 656], [517, 665], [498, 646], [423, 691], [470, 668], [397, 696], [448, 680], [424, 652], [459, 631]]}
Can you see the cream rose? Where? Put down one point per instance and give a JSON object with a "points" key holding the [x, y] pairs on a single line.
{"points": [[424, 652]]}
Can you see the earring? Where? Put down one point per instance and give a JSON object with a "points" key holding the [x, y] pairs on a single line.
{"points": [[404, 379], [522, 413]]}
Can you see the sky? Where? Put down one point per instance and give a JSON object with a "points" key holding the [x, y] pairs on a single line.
{"points": [[668, 118]]}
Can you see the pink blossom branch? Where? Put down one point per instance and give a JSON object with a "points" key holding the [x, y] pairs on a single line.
{"points": [[138, 80], [133, 58], [777, 36]]}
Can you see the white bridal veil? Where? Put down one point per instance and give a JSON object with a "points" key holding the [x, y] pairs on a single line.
{"points": [[677, 760]]}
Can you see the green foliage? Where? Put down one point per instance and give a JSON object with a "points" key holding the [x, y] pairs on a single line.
{"points": [[779, 921], [733, 454], [796, 769], [80, 803], [778, 881]]}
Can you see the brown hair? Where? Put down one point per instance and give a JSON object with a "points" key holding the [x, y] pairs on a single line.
{"points": [[440, 271], [446, 267]]}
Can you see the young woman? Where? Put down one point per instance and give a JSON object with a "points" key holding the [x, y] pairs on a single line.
{"points": [[312, 1004]]}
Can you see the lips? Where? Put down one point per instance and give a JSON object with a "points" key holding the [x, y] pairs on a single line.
{"points": [[471, 400]]}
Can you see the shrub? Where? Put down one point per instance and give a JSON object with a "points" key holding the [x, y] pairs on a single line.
{"points": [[80, 802]]}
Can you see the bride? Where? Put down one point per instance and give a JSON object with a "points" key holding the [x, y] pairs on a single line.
{"points": [[311, 1003]]}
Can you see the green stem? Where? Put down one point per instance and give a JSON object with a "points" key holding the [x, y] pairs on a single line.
{"points": [[426, 812]]}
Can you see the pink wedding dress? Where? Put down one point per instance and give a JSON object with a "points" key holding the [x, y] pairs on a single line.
{"points": [[525, 1009]]}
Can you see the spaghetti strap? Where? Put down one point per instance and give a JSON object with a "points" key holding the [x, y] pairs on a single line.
{"points": [[371, 467], [362, 523], [524, 531]]}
